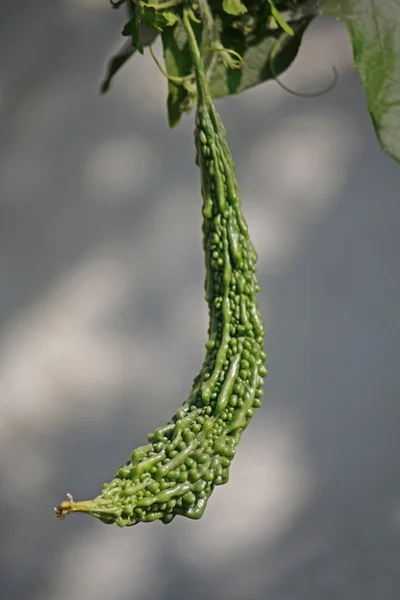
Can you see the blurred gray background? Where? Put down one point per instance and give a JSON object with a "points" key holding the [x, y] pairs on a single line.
{"points": [[103, 323]]}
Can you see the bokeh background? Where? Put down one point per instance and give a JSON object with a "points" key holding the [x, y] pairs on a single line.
{"points": [[103, 323]]}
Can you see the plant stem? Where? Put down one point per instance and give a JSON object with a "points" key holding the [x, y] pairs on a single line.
{"points": [[203, 91], [179, 80]]}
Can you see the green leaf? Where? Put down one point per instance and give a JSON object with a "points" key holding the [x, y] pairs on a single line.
{"points": [[255, 49], [178, 63], [115, 63], [132, 29], [170, 18], [374, 28], [153, 18], [253, 36], [234, 7]]}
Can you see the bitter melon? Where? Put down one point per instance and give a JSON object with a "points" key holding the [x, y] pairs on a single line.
{"points": [[177, 471]]}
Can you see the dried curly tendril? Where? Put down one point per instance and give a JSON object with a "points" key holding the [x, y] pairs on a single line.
{"points": [[176, 472]]}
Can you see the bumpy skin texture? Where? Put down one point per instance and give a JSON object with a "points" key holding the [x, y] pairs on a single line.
{"points": [[177, 471]]}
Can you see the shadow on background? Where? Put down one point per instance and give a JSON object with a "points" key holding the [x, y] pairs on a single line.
{"points": [[104, 323]]}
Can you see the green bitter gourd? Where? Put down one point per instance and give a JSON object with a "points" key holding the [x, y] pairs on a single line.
{"points": [[177, 471]]}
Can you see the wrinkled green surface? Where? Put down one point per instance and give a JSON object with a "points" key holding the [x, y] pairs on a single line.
{"points": [[374, 28], [177, 471]]}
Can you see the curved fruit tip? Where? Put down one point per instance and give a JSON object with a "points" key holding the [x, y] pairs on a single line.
{"points": [[63, 509]]}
